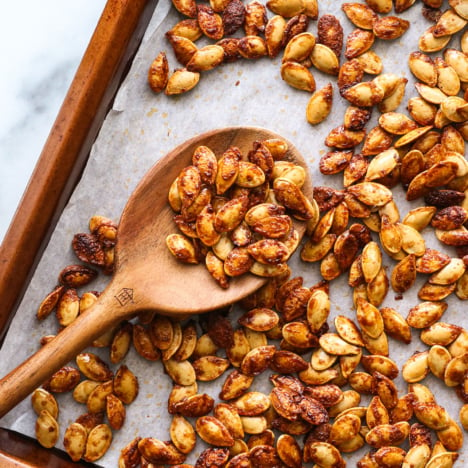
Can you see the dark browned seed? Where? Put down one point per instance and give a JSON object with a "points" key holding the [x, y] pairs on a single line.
{"points": [[296, 25], [356, 208], [238, 262], [75, 276], [462, 252], [327, 197], [295, 304], [220, 330], [361, 232], [330, 33], [233, 17], [442, 198], [285, 291], [451, 217], [258, 194], [391, 179], [346, 248], [88, 248], [294, 428], [187, 228], [235, 385]]}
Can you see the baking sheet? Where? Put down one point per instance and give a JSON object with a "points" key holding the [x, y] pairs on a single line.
{"points": [[141, 128]]}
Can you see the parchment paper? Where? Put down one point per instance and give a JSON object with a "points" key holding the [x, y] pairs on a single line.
{"points": [[141, 128]]}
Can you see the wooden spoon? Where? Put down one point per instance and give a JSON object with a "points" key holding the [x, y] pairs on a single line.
{"points": [[146, 275]]}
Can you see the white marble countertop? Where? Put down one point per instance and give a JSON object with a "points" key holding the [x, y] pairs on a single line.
{"points": [[41, 45]]}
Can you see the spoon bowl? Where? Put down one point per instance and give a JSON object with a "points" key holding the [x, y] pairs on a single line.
{"points": [[147, 276], [176, 288]]}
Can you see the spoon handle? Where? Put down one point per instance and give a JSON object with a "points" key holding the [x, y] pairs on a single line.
{"points": [[33, 372]]}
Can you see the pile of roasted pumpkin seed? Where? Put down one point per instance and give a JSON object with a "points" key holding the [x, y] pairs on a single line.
{"points": [[231, 212], [103, 392], [319, 370]]}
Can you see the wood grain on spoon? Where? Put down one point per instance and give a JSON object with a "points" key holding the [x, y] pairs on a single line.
{"points": [[146, 275]]}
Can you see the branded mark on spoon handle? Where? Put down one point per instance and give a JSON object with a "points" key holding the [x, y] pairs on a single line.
{"points": [[125, 296]]}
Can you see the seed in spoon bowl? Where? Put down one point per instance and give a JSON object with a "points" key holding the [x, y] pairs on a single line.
{"points": [[239, 181]]}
